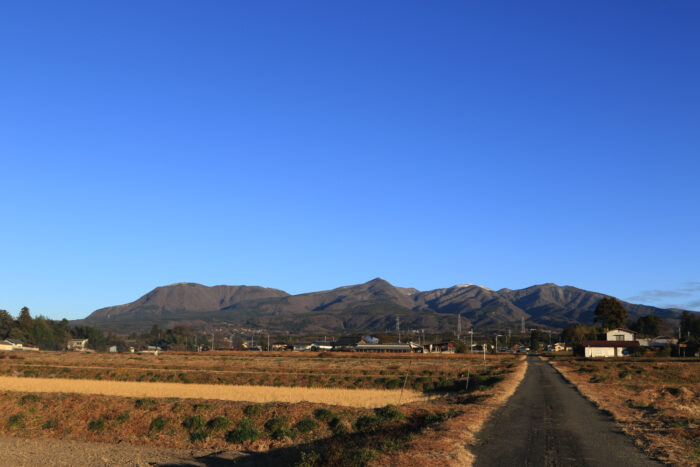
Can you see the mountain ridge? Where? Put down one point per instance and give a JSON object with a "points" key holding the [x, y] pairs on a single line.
{"points": [[370, 306]]}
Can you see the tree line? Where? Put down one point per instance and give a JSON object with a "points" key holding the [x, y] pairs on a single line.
{"points": [[47, 334]]}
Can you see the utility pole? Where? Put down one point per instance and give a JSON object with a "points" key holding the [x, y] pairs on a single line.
{"points": [[459, 325], [398, 328], [268, 342], [471, 340]]}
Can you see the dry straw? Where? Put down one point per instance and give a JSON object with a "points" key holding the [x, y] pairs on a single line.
{"points": [[331, 396]]}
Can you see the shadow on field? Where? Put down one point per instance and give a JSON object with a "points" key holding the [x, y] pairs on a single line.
{"points": [[349, 449]]}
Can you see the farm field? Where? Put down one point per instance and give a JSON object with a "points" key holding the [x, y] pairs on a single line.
{"points": [[334, 370], [656, 401], [438, 413]]}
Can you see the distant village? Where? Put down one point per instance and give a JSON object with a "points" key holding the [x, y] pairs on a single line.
{"points": [[34, 334]]}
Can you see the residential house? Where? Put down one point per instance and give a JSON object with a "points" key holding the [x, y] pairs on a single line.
{"points": [[618, 343], [79, 345]]}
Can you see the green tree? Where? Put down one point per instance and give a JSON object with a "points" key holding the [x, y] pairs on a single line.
{"points": [[575, 335], [42, 336], [610, 313], [647, 325], [690, 324], [25, 320], [6, 324], [536, 338]]}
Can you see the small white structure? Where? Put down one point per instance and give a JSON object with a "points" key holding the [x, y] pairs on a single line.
{"points": [[77, 344], [7, 345], [11, 344]]}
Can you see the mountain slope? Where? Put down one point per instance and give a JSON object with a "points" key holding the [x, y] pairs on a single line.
{"points": [[372, 306]]}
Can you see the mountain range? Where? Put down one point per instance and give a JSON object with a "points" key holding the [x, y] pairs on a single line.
{"points": [[372, 306]]}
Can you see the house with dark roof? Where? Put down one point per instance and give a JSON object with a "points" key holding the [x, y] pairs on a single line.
{"points": [[618, 343]]}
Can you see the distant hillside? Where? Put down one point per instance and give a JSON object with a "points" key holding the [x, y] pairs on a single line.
{"points": [[372, 306]]}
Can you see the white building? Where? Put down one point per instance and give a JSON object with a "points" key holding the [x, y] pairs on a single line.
{"points": [[617, 344]]}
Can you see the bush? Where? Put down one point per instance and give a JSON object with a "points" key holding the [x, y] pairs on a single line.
{"points": [[145, 403], [339, 426], [50, 424], [362, 456], [389, 412], [28, 399], [244, 431], [200, 434], [194, 422], [253, 410], [324, 415], [97, 425], [218, 423], [367, 423], [393, 384], [306, 424], [276, 423], [123, 416], [15, 421], [308, 459], [157, 424]]}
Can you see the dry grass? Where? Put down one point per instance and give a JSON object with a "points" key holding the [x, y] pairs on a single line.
{"points": [[656, 401], [260, 394], [434, 426]]}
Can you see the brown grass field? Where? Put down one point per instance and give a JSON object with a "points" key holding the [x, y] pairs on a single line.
{"points": [[262, 394], [656, 401], [333, 409]]}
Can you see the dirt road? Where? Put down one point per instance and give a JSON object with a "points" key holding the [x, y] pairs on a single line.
{"points": [[54, 452], [548, 423]]}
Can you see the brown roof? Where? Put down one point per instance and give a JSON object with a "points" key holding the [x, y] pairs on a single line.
{"points": [[610, 343]]}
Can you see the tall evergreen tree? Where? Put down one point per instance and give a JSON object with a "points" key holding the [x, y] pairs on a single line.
{"points": [[610, 313]]}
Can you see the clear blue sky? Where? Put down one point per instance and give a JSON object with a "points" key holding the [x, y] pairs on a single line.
{"points": [[308, 145]]}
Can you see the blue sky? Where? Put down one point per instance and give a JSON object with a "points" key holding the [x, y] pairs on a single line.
{"points": [[309, 145]]}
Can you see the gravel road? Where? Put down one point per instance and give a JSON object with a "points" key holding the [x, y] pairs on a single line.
{"points": [[548, 423]]}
